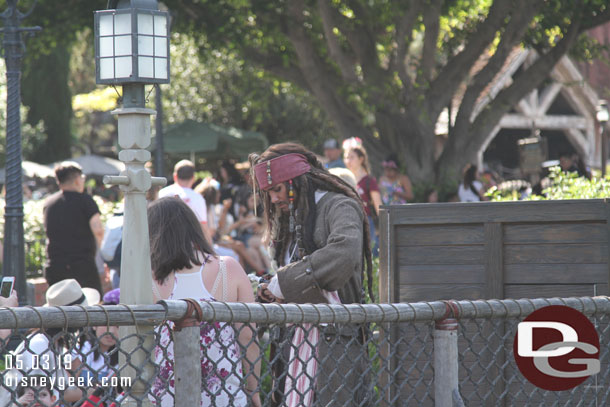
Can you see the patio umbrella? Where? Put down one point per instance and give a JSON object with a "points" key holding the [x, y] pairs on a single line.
{"points": [[98, 165], [31, 170], [212, 141]]}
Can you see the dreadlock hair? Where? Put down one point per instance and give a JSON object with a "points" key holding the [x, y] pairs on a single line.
{"points": [[305, 185]]}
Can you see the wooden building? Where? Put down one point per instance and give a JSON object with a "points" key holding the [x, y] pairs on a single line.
{"points": [[563, 109]]}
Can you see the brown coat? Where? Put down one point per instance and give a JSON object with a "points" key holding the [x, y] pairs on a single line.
{"points": [[337, 264]]}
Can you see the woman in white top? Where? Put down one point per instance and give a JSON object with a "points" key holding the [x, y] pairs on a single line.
{"points": [[184, 266], [471, 190]]}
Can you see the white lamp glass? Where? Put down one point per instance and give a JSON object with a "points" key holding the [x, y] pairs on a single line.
{"points": [[160, 47], [145, 67], [122, 24], [145, 24], [160, 68], [106, 24], [106, 47], [145, 45], [117, 48], [122, 67], [161, 25], [603, 115], [122, 45], [106, 68]]}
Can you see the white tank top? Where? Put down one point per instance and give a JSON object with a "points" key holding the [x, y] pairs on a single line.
{"points": [[220, 355]]}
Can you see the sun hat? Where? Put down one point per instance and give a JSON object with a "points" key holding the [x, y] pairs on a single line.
{"points": [[69, 292]]}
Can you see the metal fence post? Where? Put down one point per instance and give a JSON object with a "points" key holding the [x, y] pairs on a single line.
{"points": [[187, 357], [187, 373], [445, 362]]}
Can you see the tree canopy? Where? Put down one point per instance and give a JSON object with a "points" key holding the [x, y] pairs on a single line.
{"points": [[208, 84], [218, 86], [381, 70], [385, 70], [46, 67]]}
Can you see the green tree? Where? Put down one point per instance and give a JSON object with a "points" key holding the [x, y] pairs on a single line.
{"points": [[46, 79], [46, 67], [384, 70], [32, 136], [217, 86]]}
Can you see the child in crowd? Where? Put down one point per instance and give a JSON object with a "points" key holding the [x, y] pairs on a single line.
{"points": [[32, 395], [96, 356]]}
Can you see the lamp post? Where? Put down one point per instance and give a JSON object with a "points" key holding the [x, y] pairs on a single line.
{"points": [[159, 170], [131, 50], [13, 251], [602, 118]]}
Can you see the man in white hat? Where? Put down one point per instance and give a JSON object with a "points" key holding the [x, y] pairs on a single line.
{"points": [[63, 293], [69, 292]]}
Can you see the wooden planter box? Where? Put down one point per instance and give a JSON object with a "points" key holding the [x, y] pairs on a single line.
{"points": [[490, 250], [482, 251]]}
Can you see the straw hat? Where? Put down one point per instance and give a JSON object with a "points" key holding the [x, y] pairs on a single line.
{"points": [[69, 292]]}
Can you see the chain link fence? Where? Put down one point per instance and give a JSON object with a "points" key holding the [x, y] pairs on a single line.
{"points": [[288, 355]]}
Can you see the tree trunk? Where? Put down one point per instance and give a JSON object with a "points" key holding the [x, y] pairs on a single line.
{"points": [[411, 139]]}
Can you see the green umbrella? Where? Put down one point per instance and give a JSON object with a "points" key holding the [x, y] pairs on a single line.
{"points": [[212, 141]]}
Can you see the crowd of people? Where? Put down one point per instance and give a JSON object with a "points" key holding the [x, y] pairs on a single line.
{"points": [[40, 366], [288, 217]]}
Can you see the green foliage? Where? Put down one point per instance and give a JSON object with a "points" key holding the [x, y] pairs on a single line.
{"points": [[570, 186], [217, 86], [60, 21], [32, 136], [390, 68], [45, 79], [564, 185], [588, 49], [34, 238], [259, 73], [82, 63], [368, 299], [45, 71]]}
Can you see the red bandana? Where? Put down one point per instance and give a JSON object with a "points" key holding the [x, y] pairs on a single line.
{"points": [[280, 169]]}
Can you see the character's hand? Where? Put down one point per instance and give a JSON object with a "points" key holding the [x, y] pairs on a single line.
{"points": [[264, 295]]}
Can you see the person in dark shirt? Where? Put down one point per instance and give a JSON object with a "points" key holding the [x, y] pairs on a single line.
{"points": [[570, 162], [74, 230]]}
